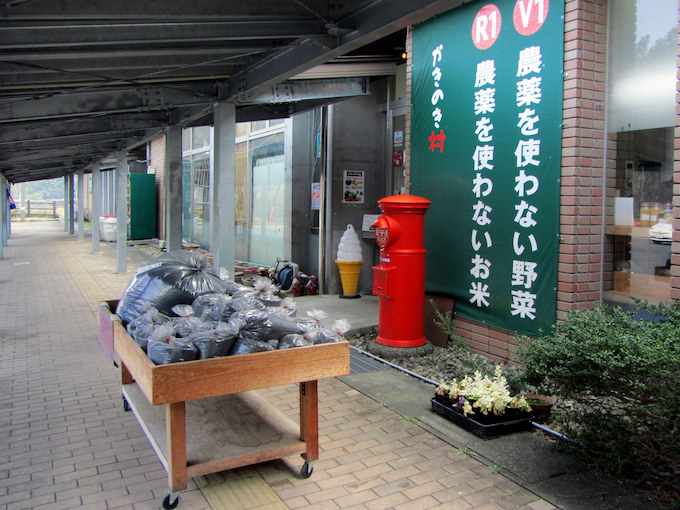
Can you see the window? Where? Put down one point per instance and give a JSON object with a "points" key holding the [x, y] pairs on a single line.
{"points": [[641, 119], [259, 189], [196, 164]]}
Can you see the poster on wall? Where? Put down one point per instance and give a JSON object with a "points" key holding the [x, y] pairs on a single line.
{"points": [[486, 148], [353, 187], [316, 196]]}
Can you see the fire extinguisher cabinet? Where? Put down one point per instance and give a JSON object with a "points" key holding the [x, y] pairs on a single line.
{"points": [[399, 280]]}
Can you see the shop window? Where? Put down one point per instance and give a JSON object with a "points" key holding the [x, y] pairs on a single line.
{"points": [[241, 199], [201, 137], [259, 190], [241, 129], [200, 199], [641, 119]]}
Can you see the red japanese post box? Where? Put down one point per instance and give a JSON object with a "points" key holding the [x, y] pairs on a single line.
{"points": [[399, 280]]}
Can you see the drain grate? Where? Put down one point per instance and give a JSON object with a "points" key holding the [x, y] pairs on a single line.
{"points": [[360, 363]]}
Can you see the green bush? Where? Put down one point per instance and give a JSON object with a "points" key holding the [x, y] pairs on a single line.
{"points": [[446, 323], [621, 377]]}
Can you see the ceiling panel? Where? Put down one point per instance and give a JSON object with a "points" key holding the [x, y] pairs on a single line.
{"points": [[81, 80]]}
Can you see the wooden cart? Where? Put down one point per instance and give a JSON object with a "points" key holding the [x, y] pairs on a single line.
{"points": [[213, 419]]}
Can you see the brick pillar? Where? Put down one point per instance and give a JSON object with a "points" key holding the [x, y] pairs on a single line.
{"points": [[407, 128], [581, 230], [675, 247]]}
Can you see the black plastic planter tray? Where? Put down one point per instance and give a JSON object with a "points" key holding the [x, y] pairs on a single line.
{"points": [[485, 431]]}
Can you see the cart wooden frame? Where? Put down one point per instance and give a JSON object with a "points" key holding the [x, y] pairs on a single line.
{"points": [[202, 397]]}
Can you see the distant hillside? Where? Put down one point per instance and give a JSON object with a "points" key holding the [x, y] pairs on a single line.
{"points": [[51, 189]]}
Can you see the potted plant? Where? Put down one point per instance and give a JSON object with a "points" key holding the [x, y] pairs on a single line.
{"points": [[540, 406], [482, 404]]}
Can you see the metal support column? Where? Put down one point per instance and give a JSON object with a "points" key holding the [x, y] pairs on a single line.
{"points": [[121, 211], [222, 224], [71, 205], [4, 210], [81, 205], [66, 206], [96, 206], [327, 204], [173, 189], [8, 216]]}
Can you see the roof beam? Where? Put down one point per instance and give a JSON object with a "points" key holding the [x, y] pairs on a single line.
{"points": [[300, 90], [97, 102], [366, 25]]}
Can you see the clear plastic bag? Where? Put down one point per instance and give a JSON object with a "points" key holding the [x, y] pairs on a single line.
{"points": [[265, 292], [295, 340], [248, 346], [141, 328], [215, 342], [286, 309], [151, 317], [241, 304], [186, 323], [313, 320], [260, 325], [328, 335], [321, 336], [208, 306], [164, 349]]}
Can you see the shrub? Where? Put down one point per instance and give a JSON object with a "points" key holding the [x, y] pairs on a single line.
{"points": [[445, 322], [623, 378]]}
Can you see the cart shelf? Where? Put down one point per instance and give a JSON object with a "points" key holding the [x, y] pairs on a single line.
{"points": [[211, 418], [223, 432]]}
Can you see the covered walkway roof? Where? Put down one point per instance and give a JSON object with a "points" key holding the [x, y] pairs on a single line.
{"points": [[83, 79]]}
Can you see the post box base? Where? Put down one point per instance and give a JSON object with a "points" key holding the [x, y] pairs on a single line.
{"points": [[387, 352], [401, 343]]}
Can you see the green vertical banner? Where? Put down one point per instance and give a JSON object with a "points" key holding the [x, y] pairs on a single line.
{"points": [[485, 150]]}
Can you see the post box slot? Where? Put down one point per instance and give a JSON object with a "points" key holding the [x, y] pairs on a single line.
{"points": [[381, 279]]}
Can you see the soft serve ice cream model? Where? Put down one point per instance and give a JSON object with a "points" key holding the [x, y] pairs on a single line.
{"points": [[349, 260]]}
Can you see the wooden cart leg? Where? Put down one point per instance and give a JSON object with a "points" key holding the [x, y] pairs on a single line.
{"points": [[125, 378], [309, 419], [125, 375], [175, 419]]}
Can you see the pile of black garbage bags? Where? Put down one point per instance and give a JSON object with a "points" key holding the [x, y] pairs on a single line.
{"points": [[177, 308]]}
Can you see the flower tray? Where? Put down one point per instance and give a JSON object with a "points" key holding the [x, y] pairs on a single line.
{"points": [[483, 430]]}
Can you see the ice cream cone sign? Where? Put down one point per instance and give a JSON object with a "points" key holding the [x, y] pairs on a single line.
{"points": [[349, 260]]}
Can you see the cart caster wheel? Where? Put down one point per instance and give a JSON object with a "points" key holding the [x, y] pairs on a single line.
{"points": [[307, 470], [126, 406], [168, 505]]}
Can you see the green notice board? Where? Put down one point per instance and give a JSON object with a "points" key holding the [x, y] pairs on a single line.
{"points": [[142, 206], [485, 150]]}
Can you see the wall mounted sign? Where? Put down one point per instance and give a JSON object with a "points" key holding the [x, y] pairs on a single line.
{"points": [[353, 187]]}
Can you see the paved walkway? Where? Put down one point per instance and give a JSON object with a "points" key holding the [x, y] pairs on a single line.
{"points": [[66, 442]]}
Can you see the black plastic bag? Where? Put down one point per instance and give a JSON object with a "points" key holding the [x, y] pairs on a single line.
{"points": [[174, 278]]}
